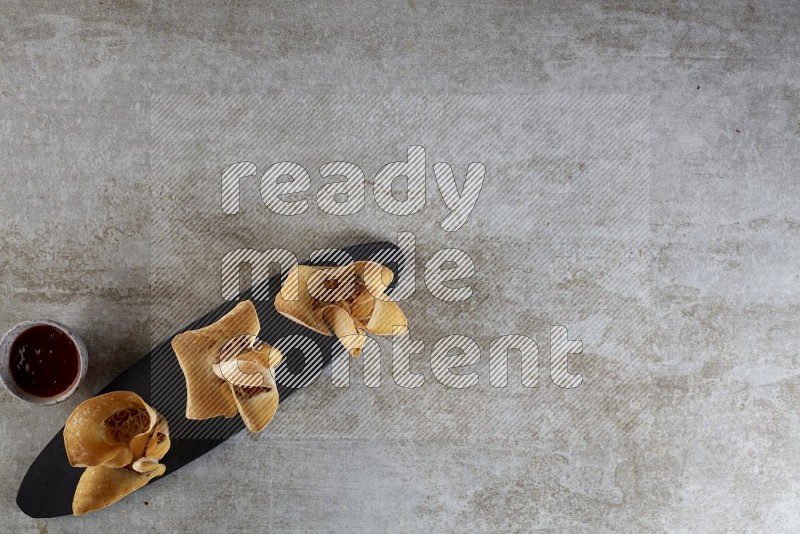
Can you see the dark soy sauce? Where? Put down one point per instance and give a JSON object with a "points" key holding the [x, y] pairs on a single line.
{"points": [[44, 361]]}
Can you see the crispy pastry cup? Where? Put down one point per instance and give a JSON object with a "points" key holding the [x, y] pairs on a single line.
{"points": [[227, 372], [120, 439], [348, 302]]}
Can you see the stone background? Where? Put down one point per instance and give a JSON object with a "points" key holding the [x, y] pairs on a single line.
{"points": [[688, 419]]}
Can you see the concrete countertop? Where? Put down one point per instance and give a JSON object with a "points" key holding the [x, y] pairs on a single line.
{"points": [[641, 189]]}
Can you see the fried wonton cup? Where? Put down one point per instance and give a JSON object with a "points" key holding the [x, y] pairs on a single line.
{"points": [[119, 439], [228, 371], [347, 301]]}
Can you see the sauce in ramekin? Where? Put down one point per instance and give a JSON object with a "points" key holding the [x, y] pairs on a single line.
{"points": [[44, 361]]}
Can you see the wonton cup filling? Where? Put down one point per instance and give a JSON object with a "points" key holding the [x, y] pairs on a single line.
{"points": [[228, 371], [348, 302], [120, 439]]}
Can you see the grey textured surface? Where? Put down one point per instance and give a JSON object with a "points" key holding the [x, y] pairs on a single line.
{"points": [[688, 419]]}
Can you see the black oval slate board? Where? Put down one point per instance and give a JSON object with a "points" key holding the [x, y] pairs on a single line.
{"points": [[49, 484]]}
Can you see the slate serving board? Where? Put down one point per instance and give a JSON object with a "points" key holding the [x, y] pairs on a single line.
{"points": [[49, 485]]}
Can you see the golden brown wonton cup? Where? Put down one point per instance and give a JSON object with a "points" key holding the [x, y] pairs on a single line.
{"points": [[227, 371], [120, 439], [350, 301]]}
